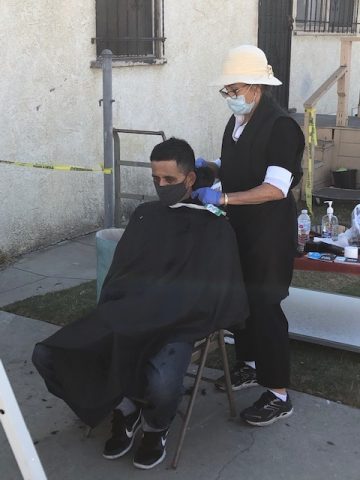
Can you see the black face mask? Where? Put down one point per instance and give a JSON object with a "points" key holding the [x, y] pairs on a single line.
{"points": [[171, 194]]}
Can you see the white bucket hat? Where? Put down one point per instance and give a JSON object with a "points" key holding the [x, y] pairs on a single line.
{"points": [[246, 64]]}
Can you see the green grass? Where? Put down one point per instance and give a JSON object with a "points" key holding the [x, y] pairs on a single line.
{"points": [[60, 307], [322, 371], [4, 259], [341, 283], [326, 372]]}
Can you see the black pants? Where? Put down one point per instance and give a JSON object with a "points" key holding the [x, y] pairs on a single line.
{"points": [[265, 340]]}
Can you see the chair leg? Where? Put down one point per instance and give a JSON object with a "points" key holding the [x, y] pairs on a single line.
{"points": [[190, 406], [226, 369]]}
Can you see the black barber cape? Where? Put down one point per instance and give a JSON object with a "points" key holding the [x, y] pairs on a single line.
{"points": [[175, 276]]}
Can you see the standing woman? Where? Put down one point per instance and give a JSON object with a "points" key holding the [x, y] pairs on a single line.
{"points": [[260, 162]]}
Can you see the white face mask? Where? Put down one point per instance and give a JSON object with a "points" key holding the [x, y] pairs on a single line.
{"points": [[239, 106]]}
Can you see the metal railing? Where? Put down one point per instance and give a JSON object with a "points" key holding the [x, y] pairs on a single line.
{"points": [[327, 16], [119, 195], [112, 163], [341, 77], [130, 29]]}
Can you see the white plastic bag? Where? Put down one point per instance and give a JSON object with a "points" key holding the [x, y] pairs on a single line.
{"points": [[352, 234], [354, 238]]}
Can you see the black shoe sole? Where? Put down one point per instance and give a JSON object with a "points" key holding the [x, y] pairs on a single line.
{"points": [[270, 422], [147, 467], [236, 388], [114, 456]]}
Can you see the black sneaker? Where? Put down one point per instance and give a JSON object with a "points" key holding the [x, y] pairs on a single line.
{"points": [[267, 410], [151, 450], [123, 434], [242, 376]]}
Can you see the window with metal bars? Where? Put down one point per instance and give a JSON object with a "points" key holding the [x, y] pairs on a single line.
{"points": [[327, 16], [131, 29]]}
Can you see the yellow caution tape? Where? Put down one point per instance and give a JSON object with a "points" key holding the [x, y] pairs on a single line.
{"points": [[64, 168], [312, 126], [309, 181], [311, 144]]}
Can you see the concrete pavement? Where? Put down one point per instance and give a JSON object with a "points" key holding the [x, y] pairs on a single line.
{"points": [[57, 267], [320, 441]]}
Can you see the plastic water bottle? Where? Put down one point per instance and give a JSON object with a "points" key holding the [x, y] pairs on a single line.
{"points": [[304, 226]]}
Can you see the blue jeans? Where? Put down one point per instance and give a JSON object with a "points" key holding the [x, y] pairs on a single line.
{"points": [[164, 372]]}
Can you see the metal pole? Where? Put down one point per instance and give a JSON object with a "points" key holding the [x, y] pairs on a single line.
{"points": [[204, 354], [117, 179], [108, 139]]}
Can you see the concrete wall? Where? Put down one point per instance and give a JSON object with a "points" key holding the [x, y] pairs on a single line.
{"points": [[313, 59], [49, 113], [49, 95], [49, 103]]}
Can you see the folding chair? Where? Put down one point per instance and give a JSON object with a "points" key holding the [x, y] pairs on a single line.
{"points": [[201, 351]]}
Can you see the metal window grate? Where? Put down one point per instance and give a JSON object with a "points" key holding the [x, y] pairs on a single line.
{"points": [[327, 16], [131, 29]]}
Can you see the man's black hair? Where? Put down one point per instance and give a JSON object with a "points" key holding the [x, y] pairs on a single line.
{"points": [[175, 149], [205, 177]]}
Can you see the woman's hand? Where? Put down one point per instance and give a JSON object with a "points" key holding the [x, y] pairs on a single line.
{"points": [[200, 162], [261, 194], [207, 195]]}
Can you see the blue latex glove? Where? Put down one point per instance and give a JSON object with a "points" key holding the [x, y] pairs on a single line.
{"points": [[200, 162], [207, 195]]}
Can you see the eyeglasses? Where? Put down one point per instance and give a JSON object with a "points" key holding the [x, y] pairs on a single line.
{"points": [[226, 93]]}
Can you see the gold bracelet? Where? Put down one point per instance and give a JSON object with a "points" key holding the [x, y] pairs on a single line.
{"points": [[226, 199]]}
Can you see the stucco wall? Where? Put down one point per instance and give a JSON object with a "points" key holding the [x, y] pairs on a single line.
{"points": [[49, 114], [49, 95], [176, 97], [49, 103], [313, 59]]}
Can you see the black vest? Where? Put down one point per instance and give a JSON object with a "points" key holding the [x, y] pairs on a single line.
{"points": [[244, 163], [267, 232]]}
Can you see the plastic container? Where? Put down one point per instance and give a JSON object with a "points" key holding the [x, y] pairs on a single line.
{"points": [[345, 178], [330, 223], [304, 227], [106, 241]]}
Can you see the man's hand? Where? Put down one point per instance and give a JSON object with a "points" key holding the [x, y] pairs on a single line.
{"points": [[200, 162], [207, 195]]}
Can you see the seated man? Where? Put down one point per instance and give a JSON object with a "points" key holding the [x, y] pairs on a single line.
{"points": [[174, 279]]}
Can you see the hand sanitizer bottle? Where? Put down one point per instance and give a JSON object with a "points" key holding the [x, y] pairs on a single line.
{"points": [[329, 223]]}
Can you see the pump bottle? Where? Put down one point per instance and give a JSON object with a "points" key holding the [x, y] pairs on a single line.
{"points": [[329, 223]]}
